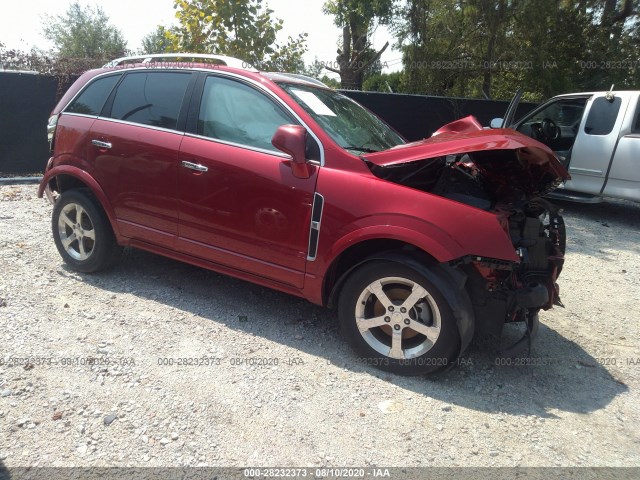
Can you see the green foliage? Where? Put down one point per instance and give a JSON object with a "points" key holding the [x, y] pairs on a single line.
{"points": [[477, 48], [329, 82], [362, 13], [85, 33], [386, 82], [157, 41], [239, 28]]}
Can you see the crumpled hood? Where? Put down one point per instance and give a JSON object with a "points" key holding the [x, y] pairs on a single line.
{"points": [[467, 136]]}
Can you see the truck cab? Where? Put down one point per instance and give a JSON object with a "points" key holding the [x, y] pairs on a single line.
{"points": [[596, 136]]}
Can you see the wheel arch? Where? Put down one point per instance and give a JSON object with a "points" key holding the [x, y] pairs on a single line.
{"points": [[64, 178], [449, 281]]}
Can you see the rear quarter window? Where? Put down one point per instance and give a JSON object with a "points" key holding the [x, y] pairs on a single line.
{"points": [[151, 98], [602, 116], [92, 98]]}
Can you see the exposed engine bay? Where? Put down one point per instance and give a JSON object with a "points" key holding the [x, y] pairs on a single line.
{"points": [[510, 185]]}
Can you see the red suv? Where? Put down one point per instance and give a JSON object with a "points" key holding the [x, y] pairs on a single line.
{"points": [[279, 180]]}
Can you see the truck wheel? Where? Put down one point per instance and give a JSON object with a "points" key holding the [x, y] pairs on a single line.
{"points": [[82, 232], [397, 320]]}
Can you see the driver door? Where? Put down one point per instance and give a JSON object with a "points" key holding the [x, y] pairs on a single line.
{"points": [[556, 124]]}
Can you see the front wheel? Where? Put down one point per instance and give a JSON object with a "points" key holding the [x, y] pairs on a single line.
{"points": [[397, 319]]}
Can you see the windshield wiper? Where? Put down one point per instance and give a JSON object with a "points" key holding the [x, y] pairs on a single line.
{"points": [[361, 149]]}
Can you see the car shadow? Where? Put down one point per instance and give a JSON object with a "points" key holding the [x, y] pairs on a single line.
{"points": [[561, 376], [4, 472]]}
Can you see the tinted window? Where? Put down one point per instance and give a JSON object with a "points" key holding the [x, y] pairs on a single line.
{"points": [[234, 112], [602, 116], [151, 98], [91, 100]]}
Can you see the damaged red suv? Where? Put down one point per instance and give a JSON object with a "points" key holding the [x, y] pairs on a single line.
{"points": [[281, 181]]}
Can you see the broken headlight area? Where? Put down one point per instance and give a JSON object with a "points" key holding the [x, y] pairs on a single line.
{"points": [[505, 292]]}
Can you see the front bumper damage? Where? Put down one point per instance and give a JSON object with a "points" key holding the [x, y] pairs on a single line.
{"points": [[504, 292]]}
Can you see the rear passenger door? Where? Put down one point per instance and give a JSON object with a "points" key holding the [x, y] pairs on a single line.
{"points": [[134, 147], [240, 204]]}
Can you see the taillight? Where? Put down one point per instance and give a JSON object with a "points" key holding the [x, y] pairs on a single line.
{"points": [[51, 130]]}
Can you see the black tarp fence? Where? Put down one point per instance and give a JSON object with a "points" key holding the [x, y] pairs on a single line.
{"points": [[26, 100], [25, 103], [417, 116]]}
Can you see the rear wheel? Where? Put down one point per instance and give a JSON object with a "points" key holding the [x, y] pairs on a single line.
{"points": [[397, 319], [82, 232]]}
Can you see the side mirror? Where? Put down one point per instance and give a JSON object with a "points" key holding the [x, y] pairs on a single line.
{"points": [[496, 123], [292, 140]]}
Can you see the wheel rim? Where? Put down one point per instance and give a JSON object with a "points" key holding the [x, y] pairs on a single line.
{"points": [[398, 318], [75, 228]]}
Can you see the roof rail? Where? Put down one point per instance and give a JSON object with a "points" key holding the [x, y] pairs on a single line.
{"points": [[298, 76], [155, 57]]}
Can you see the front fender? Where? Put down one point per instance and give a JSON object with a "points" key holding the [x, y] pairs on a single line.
{"points": [[423, 235], [88, 181]]}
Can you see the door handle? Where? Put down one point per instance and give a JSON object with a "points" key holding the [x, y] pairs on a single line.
{"points": [[195, 166], [101, 144]]}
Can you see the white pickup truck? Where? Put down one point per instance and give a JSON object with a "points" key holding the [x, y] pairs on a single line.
{"points": [[596, 135]]}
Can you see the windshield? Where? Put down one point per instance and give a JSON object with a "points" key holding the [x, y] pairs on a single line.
{"points": [[347, 123]]}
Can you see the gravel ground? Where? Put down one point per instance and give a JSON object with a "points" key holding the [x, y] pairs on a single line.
{"points": [[312, 404]]}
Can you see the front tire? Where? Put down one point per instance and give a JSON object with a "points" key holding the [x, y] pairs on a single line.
{"points": [[82, 232], [397, 320]]}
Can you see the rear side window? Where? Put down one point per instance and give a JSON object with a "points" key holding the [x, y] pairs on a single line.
{"points": [[602, 116], [92, 98], [151, 98]]}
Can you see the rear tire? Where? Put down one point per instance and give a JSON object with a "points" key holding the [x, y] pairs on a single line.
{"points": [[397, 320], [82, 232]]}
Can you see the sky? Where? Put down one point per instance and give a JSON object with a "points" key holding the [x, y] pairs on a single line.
{"points": [[21, 26]]}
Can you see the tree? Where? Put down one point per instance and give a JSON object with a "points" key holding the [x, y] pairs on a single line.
{"points": [[85, 33], [385, 82], [239, 28], [315, 70], [156, 41], [358, 19], [482, 48]]}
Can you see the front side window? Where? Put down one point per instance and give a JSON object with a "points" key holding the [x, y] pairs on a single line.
{"points": [[92, 98], [234, 112], [556, 124], [350, 125], [564, 113], [151, 98], [602, 116]]}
